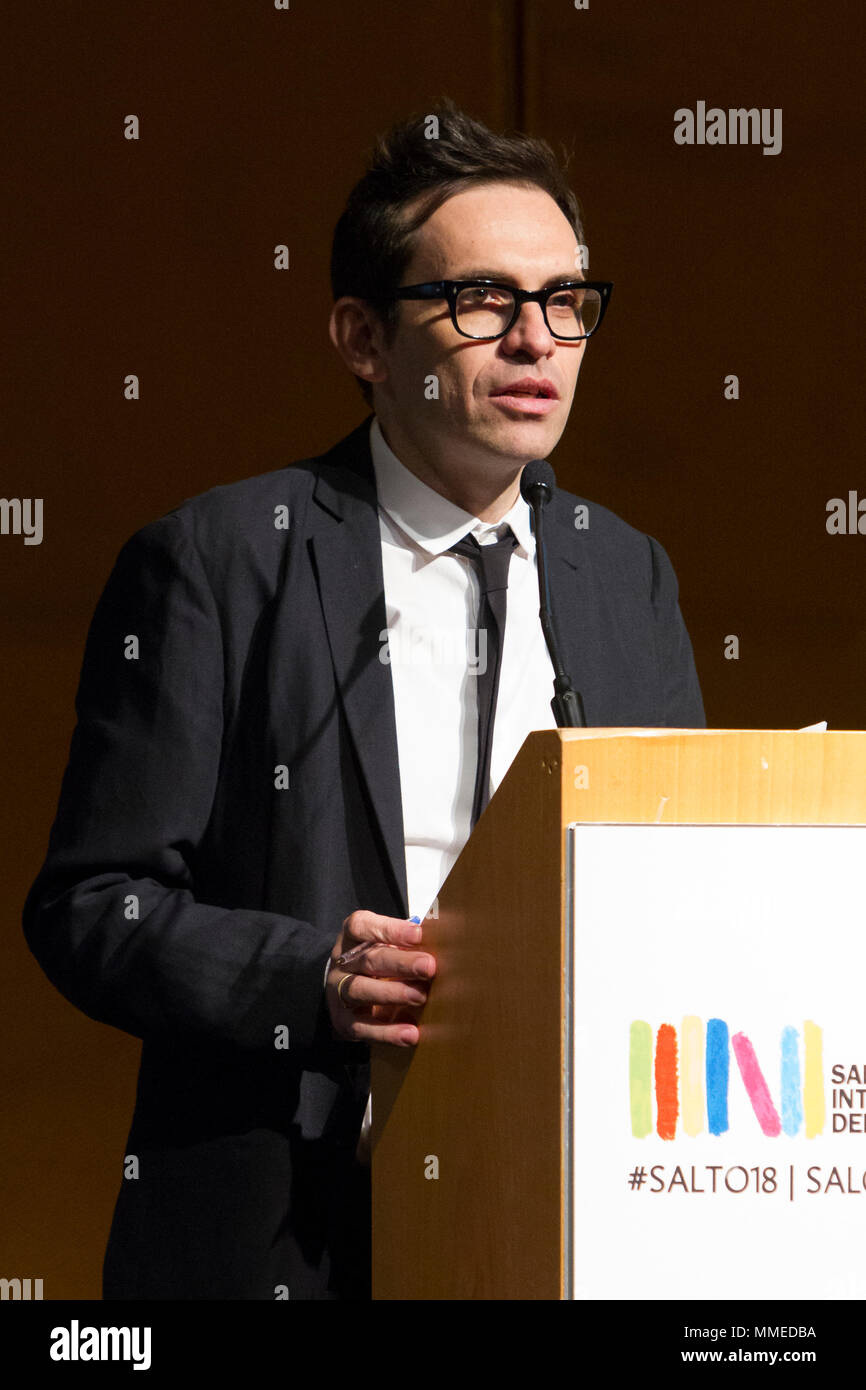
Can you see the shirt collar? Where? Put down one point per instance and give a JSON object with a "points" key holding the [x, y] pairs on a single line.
{"points": [[426, 517]]}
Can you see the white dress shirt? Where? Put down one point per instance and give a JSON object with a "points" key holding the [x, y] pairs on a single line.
{"points": [[431, 601]]}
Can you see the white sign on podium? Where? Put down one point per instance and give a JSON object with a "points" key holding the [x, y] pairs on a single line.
{"points": [[717, 1144]]}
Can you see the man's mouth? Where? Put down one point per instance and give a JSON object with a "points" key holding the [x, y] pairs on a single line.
{"points": [[529, 397], [542, 389]]}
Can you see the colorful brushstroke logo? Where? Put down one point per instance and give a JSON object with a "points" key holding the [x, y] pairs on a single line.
{"points": [[691, 1075]]}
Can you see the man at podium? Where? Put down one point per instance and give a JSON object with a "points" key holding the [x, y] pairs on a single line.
{"points": [[298, 694]]}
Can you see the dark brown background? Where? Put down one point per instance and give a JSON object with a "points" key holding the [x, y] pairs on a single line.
{"points": [[155, 257]]}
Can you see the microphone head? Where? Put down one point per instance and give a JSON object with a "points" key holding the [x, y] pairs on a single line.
{"points": [[537, 482]]}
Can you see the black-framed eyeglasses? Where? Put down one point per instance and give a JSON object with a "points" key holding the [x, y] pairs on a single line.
{"points": [[573, 309]]}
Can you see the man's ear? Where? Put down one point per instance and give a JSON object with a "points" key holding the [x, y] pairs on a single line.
{"points": [[357, 334]]}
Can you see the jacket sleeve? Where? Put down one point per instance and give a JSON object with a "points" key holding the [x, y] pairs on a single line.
{"points": [[113, 917], [683, 703]]}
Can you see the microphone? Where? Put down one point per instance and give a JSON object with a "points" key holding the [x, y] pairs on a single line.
{"points": [[537, 482]]}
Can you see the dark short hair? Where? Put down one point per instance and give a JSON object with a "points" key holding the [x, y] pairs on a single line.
{"points": [[372, 243]]}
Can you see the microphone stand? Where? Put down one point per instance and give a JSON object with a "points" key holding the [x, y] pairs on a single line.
{"points": [[566, 704]]}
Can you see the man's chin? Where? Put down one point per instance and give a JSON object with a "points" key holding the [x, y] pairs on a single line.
{"points": [[525, 438]]}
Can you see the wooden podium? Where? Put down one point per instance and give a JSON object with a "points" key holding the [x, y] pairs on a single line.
{"points": [[480, 1100]]}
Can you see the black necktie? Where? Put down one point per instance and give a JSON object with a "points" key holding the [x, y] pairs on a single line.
{"points": [[491, 563]]}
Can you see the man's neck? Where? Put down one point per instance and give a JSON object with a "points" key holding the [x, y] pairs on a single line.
{"points": [[480, 495]]}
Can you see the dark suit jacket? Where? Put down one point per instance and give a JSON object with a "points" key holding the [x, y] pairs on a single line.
{"points": [[258, 647]]}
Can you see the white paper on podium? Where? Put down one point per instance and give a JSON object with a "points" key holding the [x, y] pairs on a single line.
{"points": [[758, 929]]}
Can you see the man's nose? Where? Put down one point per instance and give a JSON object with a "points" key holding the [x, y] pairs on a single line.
{"points": [[529, 333]]}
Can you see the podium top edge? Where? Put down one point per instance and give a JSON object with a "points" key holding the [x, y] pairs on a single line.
{"points": [[655, 732]]}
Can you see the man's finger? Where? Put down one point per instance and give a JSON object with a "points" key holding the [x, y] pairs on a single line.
{"points": [[387, 960], [399, 1034], [362, 990], [369, 926]]}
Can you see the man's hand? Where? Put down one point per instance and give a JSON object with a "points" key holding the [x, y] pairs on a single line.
{"points": [[381, 983]]}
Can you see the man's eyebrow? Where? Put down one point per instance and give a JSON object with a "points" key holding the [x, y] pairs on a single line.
{"points": [[504, 278]]}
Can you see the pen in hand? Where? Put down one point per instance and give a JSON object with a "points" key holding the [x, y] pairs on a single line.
{"points": [[365, 946]]}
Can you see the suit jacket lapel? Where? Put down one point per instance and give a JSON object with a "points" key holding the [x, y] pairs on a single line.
{"points": [[348, 563]]}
